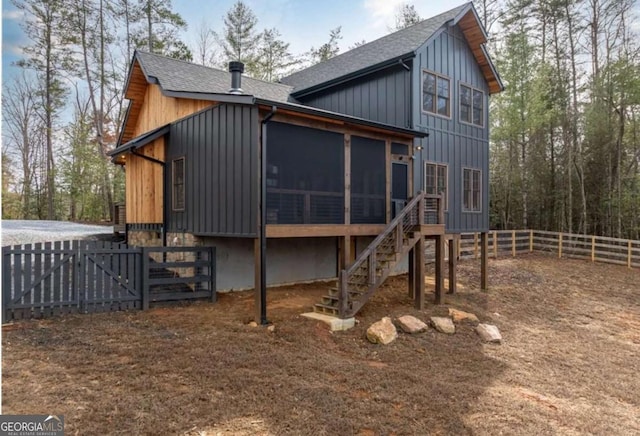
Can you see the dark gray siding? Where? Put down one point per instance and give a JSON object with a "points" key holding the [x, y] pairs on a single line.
{"points": [[220, 147], [456, 144], [384, 96]]}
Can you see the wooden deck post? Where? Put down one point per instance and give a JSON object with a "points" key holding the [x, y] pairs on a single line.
{"points": [[483, 261], [513, 243], [593, 249], [439, 268], [530, 241], [412, 273], [453, 263], [418, 266], [560, 245], [495, 244], [629, 253]]}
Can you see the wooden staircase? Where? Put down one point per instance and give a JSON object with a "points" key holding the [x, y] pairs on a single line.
{"points": [[358, 283]]}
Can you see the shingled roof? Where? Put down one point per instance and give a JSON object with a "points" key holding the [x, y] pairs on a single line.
{"points": [[174, 75], [392, 47]]}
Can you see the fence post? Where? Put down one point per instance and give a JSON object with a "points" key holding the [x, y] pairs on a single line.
{"points": [[593, 249], [559, 245], [212, 273], [530, 241], [629, 253], [145, 278], [513, 243]]}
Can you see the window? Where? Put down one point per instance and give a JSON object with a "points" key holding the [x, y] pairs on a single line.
{"points": [[435, 180], [435, 94], [471, 105], [471, 190], [178, 184]]}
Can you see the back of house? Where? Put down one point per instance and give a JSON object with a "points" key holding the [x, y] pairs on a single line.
{"points": [[435, 76]]}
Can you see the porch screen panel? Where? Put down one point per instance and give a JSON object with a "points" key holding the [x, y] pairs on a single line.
{"points": [[367, 181], [305, 175]]}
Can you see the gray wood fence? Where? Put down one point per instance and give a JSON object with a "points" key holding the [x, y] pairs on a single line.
{"points": [[54, 278]]}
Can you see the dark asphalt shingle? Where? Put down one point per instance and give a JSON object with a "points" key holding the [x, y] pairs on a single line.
{"points": [[181, 76], [375, 52]]}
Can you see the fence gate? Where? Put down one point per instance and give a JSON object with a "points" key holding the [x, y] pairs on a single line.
{"points": [[109, 278], [46, 279]]}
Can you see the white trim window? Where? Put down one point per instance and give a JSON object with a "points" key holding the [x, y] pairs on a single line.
{"points": [[471, 190], [471, 105], [436, 94], [436, 181], [178, 183]]}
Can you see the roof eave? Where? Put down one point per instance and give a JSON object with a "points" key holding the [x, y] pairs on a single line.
{"points": [[363, 72], [140, 141], [309, 110]]}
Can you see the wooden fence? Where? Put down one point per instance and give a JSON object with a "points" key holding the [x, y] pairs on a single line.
{"points": [[53, 278], [513, 242]]}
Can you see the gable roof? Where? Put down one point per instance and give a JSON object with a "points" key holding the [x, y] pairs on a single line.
{"points": [[176, 76], [391, 49]]}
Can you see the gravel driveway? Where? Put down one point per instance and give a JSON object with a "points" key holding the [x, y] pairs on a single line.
{"points": [[16, 232]]}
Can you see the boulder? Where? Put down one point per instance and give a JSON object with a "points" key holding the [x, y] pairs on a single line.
{"points": [[382, 332], [443, 324], [460, 316], [411, 324], [489, 333]]}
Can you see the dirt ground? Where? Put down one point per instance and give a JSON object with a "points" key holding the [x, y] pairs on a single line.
{"points": [[569, 362]]}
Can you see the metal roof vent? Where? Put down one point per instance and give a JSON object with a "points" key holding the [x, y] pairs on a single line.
{"points": [[236, 69]]}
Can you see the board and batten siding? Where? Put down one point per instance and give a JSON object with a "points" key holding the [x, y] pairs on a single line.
{"points": [[383, 96], [454, 143], [220, 148]]}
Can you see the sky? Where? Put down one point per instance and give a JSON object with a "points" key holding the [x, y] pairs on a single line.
{"points": [[302, 23]]}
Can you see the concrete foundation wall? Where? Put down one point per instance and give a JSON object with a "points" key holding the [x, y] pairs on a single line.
{"points": [[288, 260]]}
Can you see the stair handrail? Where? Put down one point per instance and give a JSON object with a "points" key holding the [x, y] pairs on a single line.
{"points": [[391, 227], [418, 203]]}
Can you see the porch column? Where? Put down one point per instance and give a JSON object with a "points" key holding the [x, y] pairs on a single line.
{"points": [[412, 273]]}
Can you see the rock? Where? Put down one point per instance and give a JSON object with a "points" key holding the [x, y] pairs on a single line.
{"points": [[253, 324], [489, 333], [443, 324], [271, 328], [382, 332], [460, 316], [411, 324]]}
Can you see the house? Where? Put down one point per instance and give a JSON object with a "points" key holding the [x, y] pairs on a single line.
{"points": [[342, 170]]}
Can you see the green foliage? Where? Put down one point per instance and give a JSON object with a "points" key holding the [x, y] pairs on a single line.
{"points": [[327, 50], [240, 36]]}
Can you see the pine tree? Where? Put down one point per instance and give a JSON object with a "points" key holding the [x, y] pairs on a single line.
{"points": [[273, 58], [327, 50], [240, 38], [406, 15]]}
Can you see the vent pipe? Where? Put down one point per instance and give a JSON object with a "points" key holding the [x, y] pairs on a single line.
{"points": [[236, 69]]}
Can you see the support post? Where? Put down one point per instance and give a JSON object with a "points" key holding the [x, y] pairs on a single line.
{"points": [[418, 265], [530, 241], [345, 252], [495, 244], [560, 245], [593, 249], [260, 302], [475, 245], [439, 268], [412, 273], [453, 263], [513, 243], [483, 260], [629, 253]]}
